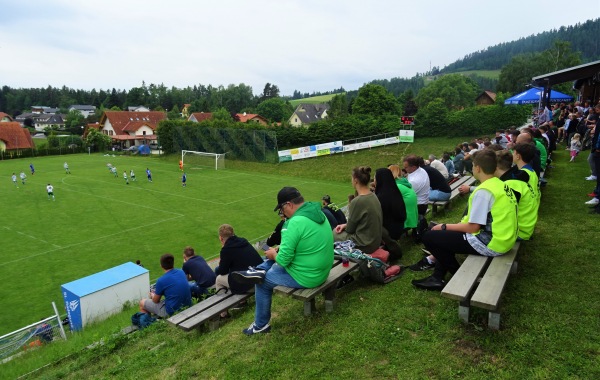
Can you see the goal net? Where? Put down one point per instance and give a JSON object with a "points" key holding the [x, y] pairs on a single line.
{"points": [[198, 160]]}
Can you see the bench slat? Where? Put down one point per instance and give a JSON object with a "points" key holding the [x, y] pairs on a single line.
{"points": [[467, 180], [487, 295], [213, 311], [197, 308], [464, 280], [336, 274]]}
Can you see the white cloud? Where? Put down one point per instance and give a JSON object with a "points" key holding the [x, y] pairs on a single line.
{"points": [[303, 45]]}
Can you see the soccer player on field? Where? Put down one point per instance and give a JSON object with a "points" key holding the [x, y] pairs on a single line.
{"points": [[149, 174], [181, 165], [32, 169], [183, 180], [132, 175], [66, 166], [125, 177], [23, 177], [113, 170], [50, 190], [14, 179]]}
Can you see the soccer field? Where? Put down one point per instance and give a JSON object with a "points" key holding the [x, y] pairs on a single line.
{"points": [[98, 221]]}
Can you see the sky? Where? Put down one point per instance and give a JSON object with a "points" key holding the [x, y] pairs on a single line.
{"points": [[302, 45]]}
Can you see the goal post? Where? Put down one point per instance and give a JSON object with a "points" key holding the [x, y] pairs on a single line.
{"points": [[196, 160]]}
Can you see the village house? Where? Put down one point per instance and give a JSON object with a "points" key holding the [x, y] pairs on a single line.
{"points": [[486, 98], [129, 128], [307, 113], [13, 137]]}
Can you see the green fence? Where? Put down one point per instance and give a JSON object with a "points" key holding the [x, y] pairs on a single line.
{"points": [[238, 143]]}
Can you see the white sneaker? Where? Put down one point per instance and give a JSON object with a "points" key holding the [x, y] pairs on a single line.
{"points": [[593, 202], [591, 178]]}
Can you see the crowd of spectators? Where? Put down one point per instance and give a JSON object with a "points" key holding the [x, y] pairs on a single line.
{"points": [[388, 205]]}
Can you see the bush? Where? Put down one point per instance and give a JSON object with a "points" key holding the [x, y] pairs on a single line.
{"points": [[434, 121]]}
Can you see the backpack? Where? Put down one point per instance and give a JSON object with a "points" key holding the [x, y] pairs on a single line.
{"points": [[370, 267], [142, 320]]}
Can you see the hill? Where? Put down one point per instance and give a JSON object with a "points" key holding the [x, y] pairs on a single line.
{"points": [[313, 99]]}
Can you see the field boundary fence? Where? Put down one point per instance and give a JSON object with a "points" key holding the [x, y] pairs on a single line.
{"points": [[34, 335]]}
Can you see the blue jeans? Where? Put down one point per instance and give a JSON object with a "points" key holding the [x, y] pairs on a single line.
{"points": [[436, 195], [196, 290], [276, 275]]}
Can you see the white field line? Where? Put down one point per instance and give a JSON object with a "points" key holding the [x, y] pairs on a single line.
{"points": [[254, 196], [32, 237], [91, 240]]}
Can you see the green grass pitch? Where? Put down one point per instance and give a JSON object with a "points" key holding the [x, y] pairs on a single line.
{"points": [[98, 222]]}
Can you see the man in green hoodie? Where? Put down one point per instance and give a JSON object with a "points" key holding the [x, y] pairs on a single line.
{"points": [[303, 259]]}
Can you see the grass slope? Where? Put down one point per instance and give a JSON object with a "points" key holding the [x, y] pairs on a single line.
{"points": [[549, 329], [313, 99]]}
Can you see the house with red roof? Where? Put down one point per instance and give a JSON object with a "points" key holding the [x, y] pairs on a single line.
{"points": [[250, 118], [129, 128], [200, 116], [5, 117], [13, 137]]}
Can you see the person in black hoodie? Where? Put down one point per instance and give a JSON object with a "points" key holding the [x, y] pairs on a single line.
{"points": [[392, 203], [237, 254]]}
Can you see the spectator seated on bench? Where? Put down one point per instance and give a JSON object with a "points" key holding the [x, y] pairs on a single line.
{"points": [[476, 234], [365, 220], [409, 196], [236, 254], [200, 276], [173, 285], [303, 260]]}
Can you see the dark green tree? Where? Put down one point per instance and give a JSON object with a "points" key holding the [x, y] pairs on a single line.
{"points": [[455, 90], [375, 100], [97, 139], [275, 109], [338, 107]]}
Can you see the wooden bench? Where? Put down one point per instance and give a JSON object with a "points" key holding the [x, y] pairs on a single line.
{"points": [[208, 310], [480, 282], [466, 180], [338, 271]]}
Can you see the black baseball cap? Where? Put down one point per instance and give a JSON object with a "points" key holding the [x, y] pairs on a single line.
{"points": [[285, 195]]}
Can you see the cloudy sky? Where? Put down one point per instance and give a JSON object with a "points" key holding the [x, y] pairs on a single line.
{"points": [[303, 45]]}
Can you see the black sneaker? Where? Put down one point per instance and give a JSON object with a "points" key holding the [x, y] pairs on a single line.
{"points": [[250, 276], [421, 265]]}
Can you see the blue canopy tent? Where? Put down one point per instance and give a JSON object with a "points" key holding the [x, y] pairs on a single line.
{"points": [[534, 95]]}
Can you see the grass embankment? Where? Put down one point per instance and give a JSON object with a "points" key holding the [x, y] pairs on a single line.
{"points": [[549, 328]]}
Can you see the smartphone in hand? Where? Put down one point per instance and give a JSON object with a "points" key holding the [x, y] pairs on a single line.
{"points": [[265, 247]]}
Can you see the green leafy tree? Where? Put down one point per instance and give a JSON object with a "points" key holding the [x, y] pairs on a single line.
{"points": [[270, 91], [275, 109], [432, 119], [375, 100], [517, 74], [174, 113], [74, 121], [456, 91], [338, 107], [97, 139]]}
